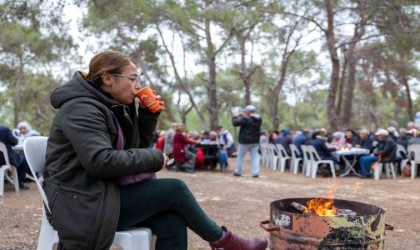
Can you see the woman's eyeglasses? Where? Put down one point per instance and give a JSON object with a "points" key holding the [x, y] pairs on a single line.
{"points": [[133, 78]]}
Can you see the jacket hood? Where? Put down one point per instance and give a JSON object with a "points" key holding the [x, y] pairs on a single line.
{"points": [[75, 88]]}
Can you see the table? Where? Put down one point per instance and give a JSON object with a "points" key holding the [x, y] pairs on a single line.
{"points": [[350, 163]]}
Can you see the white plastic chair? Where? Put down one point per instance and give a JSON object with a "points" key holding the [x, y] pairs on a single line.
{"points": [[389, 170], [273, 156], [414, 156], [400, 153], [307, 161], [14, 177], [282, 157], [35, 150], [316, 160], [264, 154], [294, 164]]}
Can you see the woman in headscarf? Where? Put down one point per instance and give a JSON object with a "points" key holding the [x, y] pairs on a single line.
{"points": [[26, 130], [338, 139]]}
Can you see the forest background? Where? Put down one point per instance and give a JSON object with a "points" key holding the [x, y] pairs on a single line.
{"points": [[304, 64]]}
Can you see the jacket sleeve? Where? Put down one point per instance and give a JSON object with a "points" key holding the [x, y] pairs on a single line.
{"points": [[246, 120], [10, 139], [89, 135], [387, 148], [147, 124]]}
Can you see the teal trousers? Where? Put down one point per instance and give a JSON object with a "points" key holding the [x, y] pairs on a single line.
{"points": [[167, 207]]}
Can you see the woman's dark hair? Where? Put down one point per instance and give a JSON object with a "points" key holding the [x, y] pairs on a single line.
{"points": [[108, 61], [351, 131]]}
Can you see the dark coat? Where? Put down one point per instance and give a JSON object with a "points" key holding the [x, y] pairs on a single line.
{"points": [[6, 136], [387, 149], [299, 141], [82, 165], [366, 143], [249, 133], [285, 142], [321, 147], [403, 140]]}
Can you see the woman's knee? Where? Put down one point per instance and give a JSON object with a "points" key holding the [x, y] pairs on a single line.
{"points": [[177, 184]]}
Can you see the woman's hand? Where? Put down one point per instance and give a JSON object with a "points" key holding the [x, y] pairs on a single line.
{"points": [[159, 98]]}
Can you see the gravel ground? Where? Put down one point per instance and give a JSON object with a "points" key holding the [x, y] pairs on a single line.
{"points": [[240, 203]]}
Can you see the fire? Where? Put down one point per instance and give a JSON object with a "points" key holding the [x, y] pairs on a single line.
{"points": [[322, 207]]}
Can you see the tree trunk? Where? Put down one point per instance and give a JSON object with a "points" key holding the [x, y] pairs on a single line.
{"points": [[17, 98], [359, 31], [332, 91], [403, 80], [243, 70], [351, 83], [212, 105], [341, 83]]}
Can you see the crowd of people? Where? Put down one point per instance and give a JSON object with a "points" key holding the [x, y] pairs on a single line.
{"points": [[382, 144], [191, 149]]}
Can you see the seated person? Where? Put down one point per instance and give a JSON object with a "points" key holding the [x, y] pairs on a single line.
{"points": [[18, 160], [365, 139], [338, 139], [228, 142], [318, 142], [205, 137], [161, 141], [212, 150], [385, 147], [403, 138], [213, 139], [352, 138], [26, 130], [181, 155], [286, 140], [301, 139]]}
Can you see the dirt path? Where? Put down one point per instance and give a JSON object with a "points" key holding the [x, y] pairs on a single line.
{"points": [[240, 203]]}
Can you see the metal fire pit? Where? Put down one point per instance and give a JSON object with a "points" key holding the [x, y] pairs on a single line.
{"points": [[290, 229]]}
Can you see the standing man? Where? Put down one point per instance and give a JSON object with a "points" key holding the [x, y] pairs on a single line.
{"points": [[249, 136]]}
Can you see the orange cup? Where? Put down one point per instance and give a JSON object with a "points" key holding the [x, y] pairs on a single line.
{"points": [[148, 99]]}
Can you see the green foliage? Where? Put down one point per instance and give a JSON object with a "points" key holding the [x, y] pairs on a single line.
{"points": [[36, 52]]}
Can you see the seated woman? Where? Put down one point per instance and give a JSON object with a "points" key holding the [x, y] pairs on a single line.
{"points": [[26, 130], [318, 141], [338, 139], [352, 138], [18, 160], [99, 135], [183, 155]]}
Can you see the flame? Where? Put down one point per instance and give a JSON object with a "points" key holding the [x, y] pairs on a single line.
{"points": [[322, 207]]}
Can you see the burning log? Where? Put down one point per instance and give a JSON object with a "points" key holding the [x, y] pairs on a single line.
{"points": [[300, 207]]}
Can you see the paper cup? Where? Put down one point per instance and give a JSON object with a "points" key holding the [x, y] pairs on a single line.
{"points": [[148, 99]]}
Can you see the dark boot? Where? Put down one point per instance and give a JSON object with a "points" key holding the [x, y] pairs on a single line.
{"points": [[235, 242]]}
